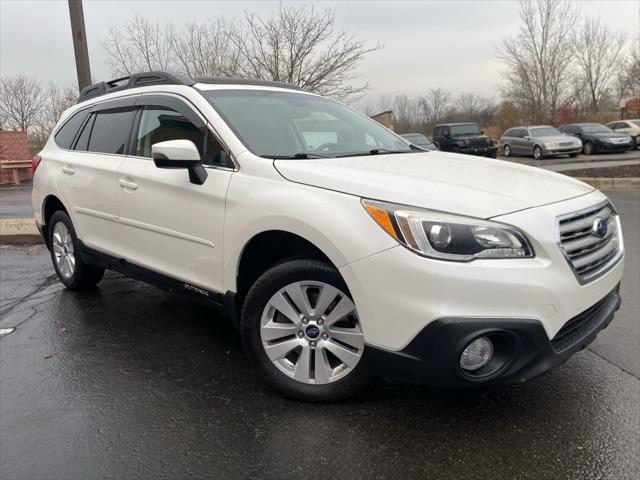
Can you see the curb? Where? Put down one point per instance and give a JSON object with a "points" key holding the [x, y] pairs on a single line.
{"points": [[19, 230], [612, 184]]}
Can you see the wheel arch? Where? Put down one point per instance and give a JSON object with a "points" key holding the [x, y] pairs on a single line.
{"points": [[266, 249], [50, 205]]}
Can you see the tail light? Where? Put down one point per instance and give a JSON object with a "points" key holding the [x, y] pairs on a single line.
{"points": [[35, 161]]}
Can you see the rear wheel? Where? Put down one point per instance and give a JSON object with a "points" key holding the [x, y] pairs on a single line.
{"points": [[587, 148], [72, 271], [301, 328]]}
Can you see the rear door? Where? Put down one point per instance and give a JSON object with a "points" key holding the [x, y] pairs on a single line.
{"points": [[91, 170], [172, 226]]}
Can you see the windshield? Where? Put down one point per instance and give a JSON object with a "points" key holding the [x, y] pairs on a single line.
{"points": [[418, 139], [465, 130], [544, 132], [276, 124], [595, 128], [637, 122]]}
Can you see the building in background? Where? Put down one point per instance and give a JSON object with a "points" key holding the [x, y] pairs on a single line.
{"points": [[15, 157]]}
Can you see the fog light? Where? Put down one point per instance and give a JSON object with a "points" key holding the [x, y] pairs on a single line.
{"points": [[477, 354]]}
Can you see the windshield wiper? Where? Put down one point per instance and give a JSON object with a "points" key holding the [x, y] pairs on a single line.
{"points": [[296, 156], [379, 151]]}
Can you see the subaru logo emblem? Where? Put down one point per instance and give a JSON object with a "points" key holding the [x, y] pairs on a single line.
{"points": [[600, 227], [313, 331]]}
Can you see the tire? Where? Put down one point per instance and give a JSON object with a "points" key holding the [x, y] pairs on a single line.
{"points": [[634, 143], [291, 341], [587, 148], [72, 271], [537, 153], [573, 155], [507, 150]]}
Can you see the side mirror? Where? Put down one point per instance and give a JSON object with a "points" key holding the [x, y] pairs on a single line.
{"points": [[481, 132], [446, 135], [180, 154], [527, 137]]}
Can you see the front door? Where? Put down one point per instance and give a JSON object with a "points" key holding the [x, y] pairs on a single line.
{"points": [[170, 225]]}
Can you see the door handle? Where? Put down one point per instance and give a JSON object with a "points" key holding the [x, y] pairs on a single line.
{"points": [[68, 170], [128, 185]]}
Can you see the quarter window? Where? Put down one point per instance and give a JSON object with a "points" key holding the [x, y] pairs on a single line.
{"points": [[64, 137], [110, 133]]}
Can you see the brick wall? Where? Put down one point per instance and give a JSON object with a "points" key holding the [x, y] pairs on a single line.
{"points": [[14, 147]]}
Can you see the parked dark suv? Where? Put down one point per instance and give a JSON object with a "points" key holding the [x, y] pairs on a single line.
{"points": [[598, 138], [464, 138]]}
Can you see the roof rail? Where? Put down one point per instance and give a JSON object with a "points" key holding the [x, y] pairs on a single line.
{"points": [[132, 81], [245, 81]]}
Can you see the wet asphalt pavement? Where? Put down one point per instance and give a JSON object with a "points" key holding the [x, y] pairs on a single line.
{"points": [[128, 381]]}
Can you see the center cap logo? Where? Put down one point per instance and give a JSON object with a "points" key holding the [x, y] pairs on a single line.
{"points": [[313, 331], [600, 227]]}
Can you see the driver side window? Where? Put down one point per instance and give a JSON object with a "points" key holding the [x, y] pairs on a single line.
{"points": [[160, 124]]}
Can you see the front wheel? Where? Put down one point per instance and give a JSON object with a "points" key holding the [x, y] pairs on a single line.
{"points": [[507, 151], [72, 271], [537, 152], [301, 328]]}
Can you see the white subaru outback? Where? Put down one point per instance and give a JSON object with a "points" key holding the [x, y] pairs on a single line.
{"points": [[339, 249]]}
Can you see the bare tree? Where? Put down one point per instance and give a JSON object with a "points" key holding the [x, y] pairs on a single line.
{"points": [[300, 46], [628, 77], [21, 98], [599, 53], [142, 45], [434, 106], [207, 49], [539, 58]]}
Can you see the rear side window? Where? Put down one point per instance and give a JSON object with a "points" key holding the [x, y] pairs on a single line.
{"points": [[110, 132], [64, 137], [83, 139]]}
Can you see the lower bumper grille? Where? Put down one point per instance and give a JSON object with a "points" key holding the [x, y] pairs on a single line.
{"points": [[575, 328]]}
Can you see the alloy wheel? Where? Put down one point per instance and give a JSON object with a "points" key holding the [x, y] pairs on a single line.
{"points": [[507, 151], [310, 331], [537, 153], [63, 251]]}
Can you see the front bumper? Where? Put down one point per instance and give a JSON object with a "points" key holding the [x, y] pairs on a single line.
{"points": [[488, 151], [561, 151], [614, 147], [522, 348]]}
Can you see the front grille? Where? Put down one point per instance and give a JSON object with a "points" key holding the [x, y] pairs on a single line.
{"points": [[591, 252], [565, 144]]}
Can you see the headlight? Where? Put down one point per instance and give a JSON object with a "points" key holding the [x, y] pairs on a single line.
{"points": [[549, 145], [446, 236]]}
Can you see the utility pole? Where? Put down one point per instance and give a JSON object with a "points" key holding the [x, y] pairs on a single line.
{"points": [[80, 43]]}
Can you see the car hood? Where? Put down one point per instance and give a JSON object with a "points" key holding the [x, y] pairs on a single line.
{"points": [[556, 138], [437, 180], [608, 135]]}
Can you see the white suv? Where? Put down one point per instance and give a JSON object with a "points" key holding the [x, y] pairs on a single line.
{"points": [[338, 248]]}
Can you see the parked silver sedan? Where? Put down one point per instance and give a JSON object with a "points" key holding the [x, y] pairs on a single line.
{"points": [[538, 141]]}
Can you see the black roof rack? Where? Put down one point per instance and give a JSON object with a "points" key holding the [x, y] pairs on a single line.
{"points": [[167, 78], [245, 81], [134, 80]]}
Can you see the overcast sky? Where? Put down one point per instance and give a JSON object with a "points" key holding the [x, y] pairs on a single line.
{"points": [[426, 44]]}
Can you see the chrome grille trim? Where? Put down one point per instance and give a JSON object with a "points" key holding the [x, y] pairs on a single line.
{"points": [[588, 255]]}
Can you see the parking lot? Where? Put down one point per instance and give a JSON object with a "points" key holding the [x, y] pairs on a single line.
{"points": [[128, 379]]}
